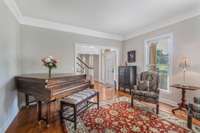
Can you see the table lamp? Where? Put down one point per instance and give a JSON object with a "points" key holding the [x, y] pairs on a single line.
{"points": [[185, 64]]}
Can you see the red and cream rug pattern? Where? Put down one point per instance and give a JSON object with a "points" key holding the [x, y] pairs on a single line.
{"points": [[117, 116], [121, 118]]}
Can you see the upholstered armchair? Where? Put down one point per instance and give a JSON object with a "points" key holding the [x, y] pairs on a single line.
{"points": [[193, 111], [147, 88]]}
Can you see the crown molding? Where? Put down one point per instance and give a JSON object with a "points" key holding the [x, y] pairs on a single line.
{"points": [[12, 6], [160, 25], [30, 21], [67, 28]]}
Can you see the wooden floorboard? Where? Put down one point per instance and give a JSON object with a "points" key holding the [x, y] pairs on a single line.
{"points": [[26, 120]]}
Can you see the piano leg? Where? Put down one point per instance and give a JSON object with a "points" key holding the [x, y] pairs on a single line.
{"points": [[48, 113], [27, 100], [39, 111]]}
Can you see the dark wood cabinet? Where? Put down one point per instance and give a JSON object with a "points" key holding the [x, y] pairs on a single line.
{"points": [[127, 77]]}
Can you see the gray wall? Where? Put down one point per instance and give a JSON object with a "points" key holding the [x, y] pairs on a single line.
{"points": [[9, 67], [186, 43], [38, 42]]}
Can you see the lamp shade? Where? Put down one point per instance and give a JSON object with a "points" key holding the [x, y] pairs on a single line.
{"points": [[185, 63]]}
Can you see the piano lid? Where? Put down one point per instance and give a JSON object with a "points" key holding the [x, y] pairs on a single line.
{"points": [[46, 76]]}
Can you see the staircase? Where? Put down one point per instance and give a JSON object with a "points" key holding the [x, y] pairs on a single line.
{"points": [[84, 68]]}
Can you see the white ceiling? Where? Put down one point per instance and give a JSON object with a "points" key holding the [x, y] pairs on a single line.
{"points": [[121, 17]]}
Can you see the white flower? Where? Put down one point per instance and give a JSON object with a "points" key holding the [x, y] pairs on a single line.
{"points": [[47, 60], [51, 57]]}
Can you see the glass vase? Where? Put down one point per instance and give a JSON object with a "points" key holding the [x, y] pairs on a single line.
{"points": [[50, 72]]}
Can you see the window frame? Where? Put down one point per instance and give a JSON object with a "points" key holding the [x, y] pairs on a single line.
{"points": [[170, 46]]}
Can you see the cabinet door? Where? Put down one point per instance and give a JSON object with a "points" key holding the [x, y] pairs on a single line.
{"points": [[121, 75], [127, 76], [133, 75]]}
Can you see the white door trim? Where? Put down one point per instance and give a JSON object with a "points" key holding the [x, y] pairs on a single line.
{"points": [[101, 79]]}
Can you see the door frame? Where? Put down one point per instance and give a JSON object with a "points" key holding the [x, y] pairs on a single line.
{"points": [[115, 65], [99, 47]]}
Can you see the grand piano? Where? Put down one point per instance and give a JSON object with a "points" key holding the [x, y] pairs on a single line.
{"points": [[47, 90]]}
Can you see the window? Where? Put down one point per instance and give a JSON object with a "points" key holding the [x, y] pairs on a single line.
{"points": [[158, 53]]}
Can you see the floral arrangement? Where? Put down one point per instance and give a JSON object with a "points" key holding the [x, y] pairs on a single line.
{"points": [[50, 62]]}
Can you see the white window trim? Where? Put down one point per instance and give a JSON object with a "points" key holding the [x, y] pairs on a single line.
{"points": [[171, 47]]}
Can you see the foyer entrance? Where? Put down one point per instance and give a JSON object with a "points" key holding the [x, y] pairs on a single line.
{"points": [[98, 62], [110, 67]]}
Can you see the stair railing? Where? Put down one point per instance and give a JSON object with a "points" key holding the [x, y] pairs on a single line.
{"points": [[86, 69]]}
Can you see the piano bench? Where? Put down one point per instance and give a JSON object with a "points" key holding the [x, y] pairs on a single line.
{"points": [[77, 103]]}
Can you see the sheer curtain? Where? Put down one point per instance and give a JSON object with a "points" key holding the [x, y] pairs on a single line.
{"points": [[152, 56]]}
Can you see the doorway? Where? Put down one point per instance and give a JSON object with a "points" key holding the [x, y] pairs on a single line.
{"points": [[110, 66], [90, 67], [104, 60]]}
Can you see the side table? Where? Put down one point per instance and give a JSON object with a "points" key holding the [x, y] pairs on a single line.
{"points": [[183, 105]]}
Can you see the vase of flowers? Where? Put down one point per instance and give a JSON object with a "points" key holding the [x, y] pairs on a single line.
{"points": [[50, 62]]}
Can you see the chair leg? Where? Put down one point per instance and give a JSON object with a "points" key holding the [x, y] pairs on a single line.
{"points": [[157, 108], [132, 100], [75, 117], [189, 122], [98, 100]]}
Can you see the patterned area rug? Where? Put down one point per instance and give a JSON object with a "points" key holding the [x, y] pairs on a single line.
{"points": [[116, 116]]}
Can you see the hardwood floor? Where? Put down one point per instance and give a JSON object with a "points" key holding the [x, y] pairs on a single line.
{"points": [[26, 120]]}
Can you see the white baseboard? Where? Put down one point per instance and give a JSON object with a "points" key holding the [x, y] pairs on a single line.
{"points": [[167, 101], [8, 122], [10, 118]]}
